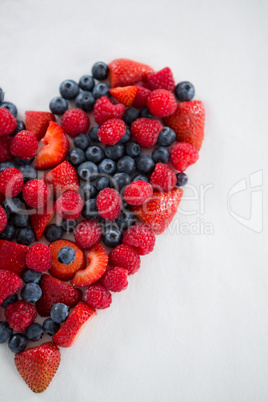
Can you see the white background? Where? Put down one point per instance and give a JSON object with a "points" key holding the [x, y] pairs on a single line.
{"points": [[193, 324]]}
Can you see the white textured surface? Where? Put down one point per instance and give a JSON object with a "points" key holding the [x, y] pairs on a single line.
{"points": [[192, 326]]}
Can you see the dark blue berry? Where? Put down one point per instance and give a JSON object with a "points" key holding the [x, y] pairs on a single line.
{"points": [[13, 204], [182, 179], [21, 220], [90, 210], [126, 165], [17, 343], [88, 171], [76, 156], [145, 164], [133, 149], [114, 152], [101, 89], [100, 71], [34, 332], [112, 236], [85, 101], [69, 89], [6, 165], [141, 176], [120, 180], [87, 82], [59, 313], [81, 141], [126, 137], [95, 154], [11, 107], [144, 112], [50, 327], [7, 210], [31, 276], [66, 255], [22, 162], [53, 232], [131, 114], [166, 137], [58, 105], [2, 95], [9, 300], [89, 191], [107, 166], [31, 292], [161, 154], [20, 127], [184, 91], [68, 225], [28, 172], [8, 233], [102, 182], [125, 220], [93, 134], [5, 332]]}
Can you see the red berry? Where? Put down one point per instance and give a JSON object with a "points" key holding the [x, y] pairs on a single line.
{"points": [[13, 256], [111, 131], [8, 123], [141, 97], [125, 95], [40, 220], [138, 192], [10, 283], [5, 154], [162, 79], [24, 145], [98, 297], [163, 177], [20, 315], [87, 233], [3, 219], [36, 193], [161, 103], [109, 204], [125, 72], [145, 131], [126, 257], [140, 237], [37, 122], [39, 257], [62, 178], [11, 182], [69, 205], [115, 279], [183, 155], [74, 122], [104, 110]]}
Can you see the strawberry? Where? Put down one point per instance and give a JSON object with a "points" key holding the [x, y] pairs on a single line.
{"points": [[40, 220], [13, 256], [160, 210], [74, 324], [55, 149], [55, 291], [162, 79], [38, 365], [141, 96], [5, 154], [188, 122], [98, 261], [125, 95], [37, 122], [10, 283], [125, 72], [62, 178]]}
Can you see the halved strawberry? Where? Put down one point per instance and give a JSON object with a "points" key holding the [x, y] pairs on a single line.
{"points": [[125, 95], [98, 261], [62, 178], [125, 72], [13, 256], [55, 291], [40, 220], [55, 149], [74, 324], [37, 122]]}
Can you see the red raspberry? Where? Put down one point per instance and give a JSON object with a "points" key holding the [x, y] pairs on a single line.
{"points": [[109, 204], [115, 279], [162, 79], [161, 103], [145, 131], [20, 315], [138, 192], [8, 123], [5, 154], [11, 182], [104, 110], [126, 257], [36, 193], [163, 177], [10, 283], [87, 233], [3, 219], [140, 237], [39, 257], [141, 97], [111, 131], [183, 155], [74, 122], [69, 205], [98, 297], [24, 145]]}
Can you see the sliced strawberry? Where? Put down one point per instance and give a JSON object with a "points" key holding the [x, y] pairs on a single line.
{"points": [[62, 178], [37, 122], [74, 324], [41, 219], [13, 256], [5, 154], [10, 283], [125, 72], [125, 95], [98, 261], [55, 149]]}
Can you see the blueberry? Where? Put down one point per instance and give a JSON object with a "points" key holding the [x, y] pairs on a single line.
{"points": [[8, 233], [131, 114], [126, 165], [85, 101], [102, 182], [2, 95], [100, 71], [11, 107], [5, 332], [87, 82], [28, 172], [6, 165], [20, 127], [141, 176], [59, 313], [21, 220], [182, 179], [144, 112], [114, 152], [66, 255], [93, 134], [90, 210], [101, 89], [69, 89], [121, 180], [107, 166], [161, 154], [53, 232], [81, 141], [95, 154], [7, 210], [22, 162], [9, 300], [112, 236], [145, 164], [34, 332], [89, 191], [76, 156], [50, 327], [31, 276], [125, 220], [14, 205], [31, 292], [166, 137], [133, 149], [88, 171], [126, 137], [58, 105], [17, 343], [68, 225], [184, 91]]}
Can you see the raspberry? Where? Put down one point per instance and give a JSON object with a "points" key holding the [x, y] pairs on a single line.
{"points": [[11, 182], [10, 283], [183, 155], [141, 97], [24, 145], [105, 110], [109, 204], [20, 315], [69, 205], [5, 154], [111, 131], [163, 177], [141, 237], [138, 192], [36, 193], [162, 79], [126, 257], [74, 122], [87, 233], [3, 219], [145, 131], [39, 257], [8, 123], [161, 103], [115, 279], [98, 297]]}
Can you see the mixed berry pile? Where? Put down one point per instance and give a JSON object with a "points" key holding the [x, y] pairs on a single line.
{"points": [[82, 202]]}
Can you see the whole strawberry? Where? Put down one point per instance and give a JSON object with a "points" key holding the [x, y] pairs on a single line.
{"points": [[125, 72]]}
